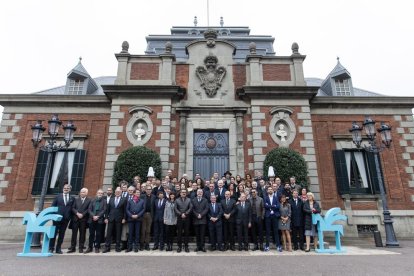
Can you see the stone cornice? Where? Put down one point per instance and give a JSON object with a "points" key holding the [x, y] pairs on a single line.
{"points": [[55, 100], [166, 91], [363, 101], [295, 92]]}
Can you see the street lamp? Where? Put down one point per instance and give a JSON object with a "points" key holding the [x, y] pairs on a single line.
{"points": [[385, 132], [50, 146]]}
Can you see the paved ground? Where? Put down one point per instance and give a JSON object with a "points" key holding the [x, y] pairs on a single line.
{"points": [[361, 258]]}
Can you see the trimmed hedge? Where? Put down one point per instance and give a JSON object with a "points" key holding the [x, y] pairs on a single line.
{"points": [[287, 163], [136, 161]]}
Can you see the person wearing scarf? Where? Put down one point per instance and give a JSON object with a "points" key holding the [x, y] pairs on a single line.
{"points": [[96, 211]]}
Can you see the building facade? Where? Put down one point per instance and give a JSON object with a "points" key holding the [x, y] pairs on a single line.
{"points": [[211, 99]]}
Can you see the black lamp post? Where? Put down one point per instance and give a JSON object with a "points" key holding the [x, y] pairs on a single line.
{"points": [[49, 146], [385, 132]]}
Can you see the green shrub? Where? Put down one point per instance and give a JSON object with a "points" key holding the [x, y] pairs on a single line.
{"points": [[286, 163], [136, 161]]}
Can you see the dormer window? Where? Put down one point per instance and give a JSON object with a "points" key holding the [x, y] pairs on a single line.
{"points": [[75, 87], [342, 87]]}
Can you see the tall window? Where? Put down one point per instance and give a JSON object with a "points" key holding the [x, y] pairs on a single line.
{"points": [[75, 87], [67, 166], [355, 172], [342, 87]]}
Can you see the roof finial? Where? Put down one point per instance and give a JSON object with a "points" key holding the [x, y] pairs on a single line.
{"points": [[221, 21], [80, 59], [337, 58], [195, 21]]}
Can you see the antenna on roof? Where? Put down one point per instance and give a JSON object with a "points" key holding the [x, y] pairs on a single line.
{"points": [[208, 13], [221, 21], [195, 21]]}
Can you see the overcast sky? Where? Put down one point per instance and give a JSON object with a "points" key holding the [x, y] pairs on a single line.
{"points": [[41, 41]]}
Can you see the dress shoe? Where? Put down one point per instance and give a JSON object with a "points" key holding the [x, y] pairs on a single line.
{"points": [[118, 250], [155, 247], [232, 248], [221, 248], [80, 250], [141, 247], [50, 250], [58, 251], [187, 250], [178, 249], [295, 248], [124, 245], [71, 250], [246, 248], [302, 248], [136, 249], [129, 249], [256, 247], [203, 249], [261, 247], [196, 249], [307, 250], [147, 247], [89, 250], [161, 248], [97, 250], [213, 248], [240, 248], [106, 250]]}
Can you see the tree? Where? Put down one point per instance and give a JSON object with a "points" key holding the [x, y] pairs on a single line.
{"points": [[286, 163], [136, 161]]}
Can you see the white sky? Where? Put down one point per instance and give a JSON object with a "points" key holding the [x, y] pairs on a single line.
{"points": [[42, 40]]}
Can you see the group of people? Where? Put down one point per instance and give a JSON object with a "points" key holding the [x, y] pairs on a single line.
{"points": [[231, 209]]}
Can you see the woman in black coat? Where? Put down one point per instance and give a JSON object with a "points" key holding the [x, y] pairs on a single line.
{"points": [[310, 207]]}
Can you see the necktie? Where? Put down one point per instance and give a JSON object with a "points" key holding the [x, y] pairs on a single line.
{"points": [[214, 208], [243, 205], [159, 203], [116, 202], [66, 199], [83, 200], [227, 201], [199, 199]]}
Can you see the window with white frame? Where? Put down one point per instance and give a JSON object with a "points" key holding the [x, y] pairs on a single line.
{"points": [[342, 87], [75, 87]]}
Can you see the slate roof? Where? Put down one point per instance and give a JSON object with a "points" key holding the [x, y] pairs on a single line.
{"points": [[358, 92], [239, 36], [60, 90]]}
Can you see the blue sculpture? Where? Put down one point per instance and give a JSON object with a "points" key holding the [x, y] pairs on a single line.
{"points": [[37, 225], [326, 224]]}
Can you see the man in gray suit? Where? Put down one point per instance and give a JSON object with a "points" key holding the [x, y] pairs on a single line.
{"points": [[257, 219], [183, 208], [200, 209]]}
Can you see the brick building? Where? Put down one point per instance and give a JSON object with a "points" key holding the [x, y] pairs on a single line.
{"points": [[210, 100]]}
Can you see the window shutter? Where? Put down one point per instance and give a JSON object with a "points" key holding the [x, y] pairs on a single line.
{"points": [[78, 170], [342, 180], [40, 172], [373, 172]]}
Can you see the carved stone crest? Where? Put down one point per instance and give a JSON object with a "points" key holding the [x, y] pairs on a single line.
{"points": [[211, 75]]}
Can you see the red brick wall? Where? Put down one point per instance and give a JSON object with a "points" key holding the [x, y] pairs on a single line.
{"points": [[276, 72], [18, 192], [144, 71], [239, 77], [393, 165], [182, 76]]}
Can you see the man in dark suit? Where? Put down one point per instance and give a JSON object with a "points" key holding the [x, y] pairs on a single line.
{"points": [[80, 209], [200, 209], [243, 222], [221, 191], [107, 197], [149, 200], [134, 212], [158, 187], [215, 228], [257, 219], [159, 232], [183, 209], [115, 217], [211, 191], [96, 211], [64, 203], [272, 215], [229, 208], [296, 225]]}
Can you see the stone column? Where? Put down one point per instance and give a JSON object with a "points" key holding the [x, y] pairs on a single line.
{"points": [[182, 159], [239, 141], [121, 76]]}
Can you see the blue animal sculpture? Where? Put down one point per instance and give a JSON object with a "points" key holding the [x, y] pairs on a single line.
{"points": [[326, 224], [37, 224]]}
